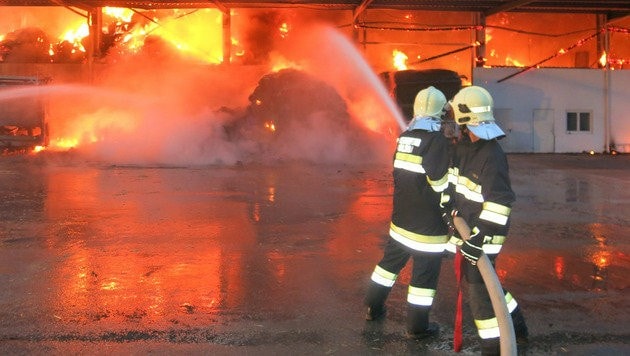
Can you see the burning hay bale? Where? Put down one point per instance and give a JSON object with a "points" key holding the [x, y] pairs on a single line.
{"points": [[293, 115]]}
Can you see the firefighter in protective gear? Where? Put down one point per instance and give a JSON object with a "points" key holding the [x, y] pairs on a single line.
{"points": [[481, 193], [417, 230]]}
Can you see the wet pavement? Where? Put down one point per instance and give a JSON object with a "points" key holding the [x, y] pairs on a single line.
{"points": [[275, 259]]}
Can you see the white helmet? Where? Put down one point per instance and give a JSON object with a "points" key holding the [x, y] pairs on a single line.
{"points": [[473, 107], [429, 102]]}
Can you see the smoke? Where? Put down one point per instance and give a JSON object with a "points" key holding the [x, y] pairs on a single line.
{"points": [[160, 108]]}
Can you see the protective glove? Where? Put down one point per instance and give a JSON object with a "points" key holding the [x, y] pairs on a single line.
{"points": [[473, 247], [448, 220], [447, 212]]}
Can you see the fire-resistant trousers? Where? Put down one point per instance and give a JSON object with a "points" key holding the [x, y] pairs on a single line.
{"points": [[424, 276], [483, 313]]}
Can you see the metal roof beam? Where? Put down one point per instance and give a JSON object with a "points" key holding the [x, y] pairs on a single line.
{"points": [[617, 17], [224, 9], [507, 7], [359, 10]]}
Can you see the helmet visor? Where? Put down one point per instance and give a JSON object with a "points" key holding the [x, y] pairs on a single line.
{"points": [[486, 130]]}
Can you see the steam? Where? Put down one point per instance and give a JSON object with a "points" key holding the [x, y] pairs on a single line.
{"points": [[165, 109]]}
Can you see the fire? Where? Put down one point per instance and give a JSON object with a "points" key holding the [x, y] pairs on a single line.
{"points": [[603, 59], [513, 62], [122, 14], [65, 143], [284, 30], [400, 60], [196, 34], [269, 125], [279, 63], [75, 36]]}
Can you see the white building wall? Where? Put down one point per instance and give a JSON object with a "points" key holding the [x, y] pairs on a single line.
{"points": [[531, 107]]}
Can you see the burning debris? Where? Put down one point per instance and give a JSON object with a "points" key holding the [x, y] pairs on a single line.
{"points": [[23, 118], [25, 45], [293, 115]]}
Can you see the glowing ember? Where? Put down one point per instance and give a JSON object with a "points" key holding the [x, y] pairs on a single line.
{"points": [[284, 30], [400, 60], [269, 125], [603, 59]]}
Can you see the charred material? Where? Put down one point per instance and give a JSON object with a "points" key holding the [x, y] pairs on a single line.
{"points": [[23, 123], [284, 99], [293, 115]]}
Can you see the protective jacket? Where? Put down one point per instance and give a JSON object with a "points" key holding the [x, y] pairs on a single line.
{"points": [[481, 192], [420, 175]]}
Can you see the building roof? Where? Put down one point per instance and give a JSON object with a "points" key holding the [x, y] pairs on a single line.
{"points": [[611, 8]]}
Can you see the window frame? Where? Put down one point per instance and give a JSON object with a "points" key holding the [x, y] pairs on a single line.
{"points": [[579, 117]]}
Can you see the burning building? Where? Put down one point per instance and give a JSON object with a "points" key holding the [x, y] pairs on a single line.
{"points": [[182, 73]]}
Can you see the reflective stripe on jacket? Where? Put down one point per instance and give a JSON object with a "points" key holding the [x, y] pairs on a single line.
{"points": [[420, 176], [481, 189]]}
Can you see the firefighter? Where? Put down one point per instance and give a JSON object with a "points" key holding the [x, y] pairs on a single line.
{"points": [[480, 192], [417, 229]]}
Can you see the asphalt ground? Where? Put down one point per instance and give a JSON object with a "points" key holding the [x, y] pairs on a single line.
{"points": [[267, 260]]}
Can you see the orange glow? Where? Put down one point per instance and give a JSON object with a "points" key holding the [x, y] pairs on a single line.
{"points": [[603, 59], [400, 60], [284, 30], [271, 194], [65, 143], [119, 13], [198, 34], [279, 63], [559, 267], [76, 35], [501, 274], [269, 125], [237, 49], [37, 149], [513, 62], [145, 279], [601, 259], [93, 128]]}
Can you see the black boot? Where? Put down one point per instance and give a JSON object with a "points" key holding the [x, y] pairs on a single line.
{"points": [[375, 301], [491, 347], [520, 327], [418, 326]]}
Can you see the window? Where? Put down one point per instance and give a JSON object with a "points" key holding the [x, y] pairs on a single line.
{"points": [[578, 121]]}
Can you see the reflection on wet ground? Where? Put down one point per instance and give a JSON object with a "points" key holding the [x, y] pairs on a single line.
{"points": [[279, 257]]}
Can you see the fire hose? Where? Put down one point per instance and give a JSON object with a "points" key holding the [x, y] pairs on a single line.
{"points": [[497, 296]]}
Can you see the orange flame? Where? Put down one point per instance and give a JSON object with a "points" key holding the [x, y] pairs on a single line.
{"points": [[123, 14], [513, 62], [269, 125], [400, 60], [284, 30], [603, 59]]}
